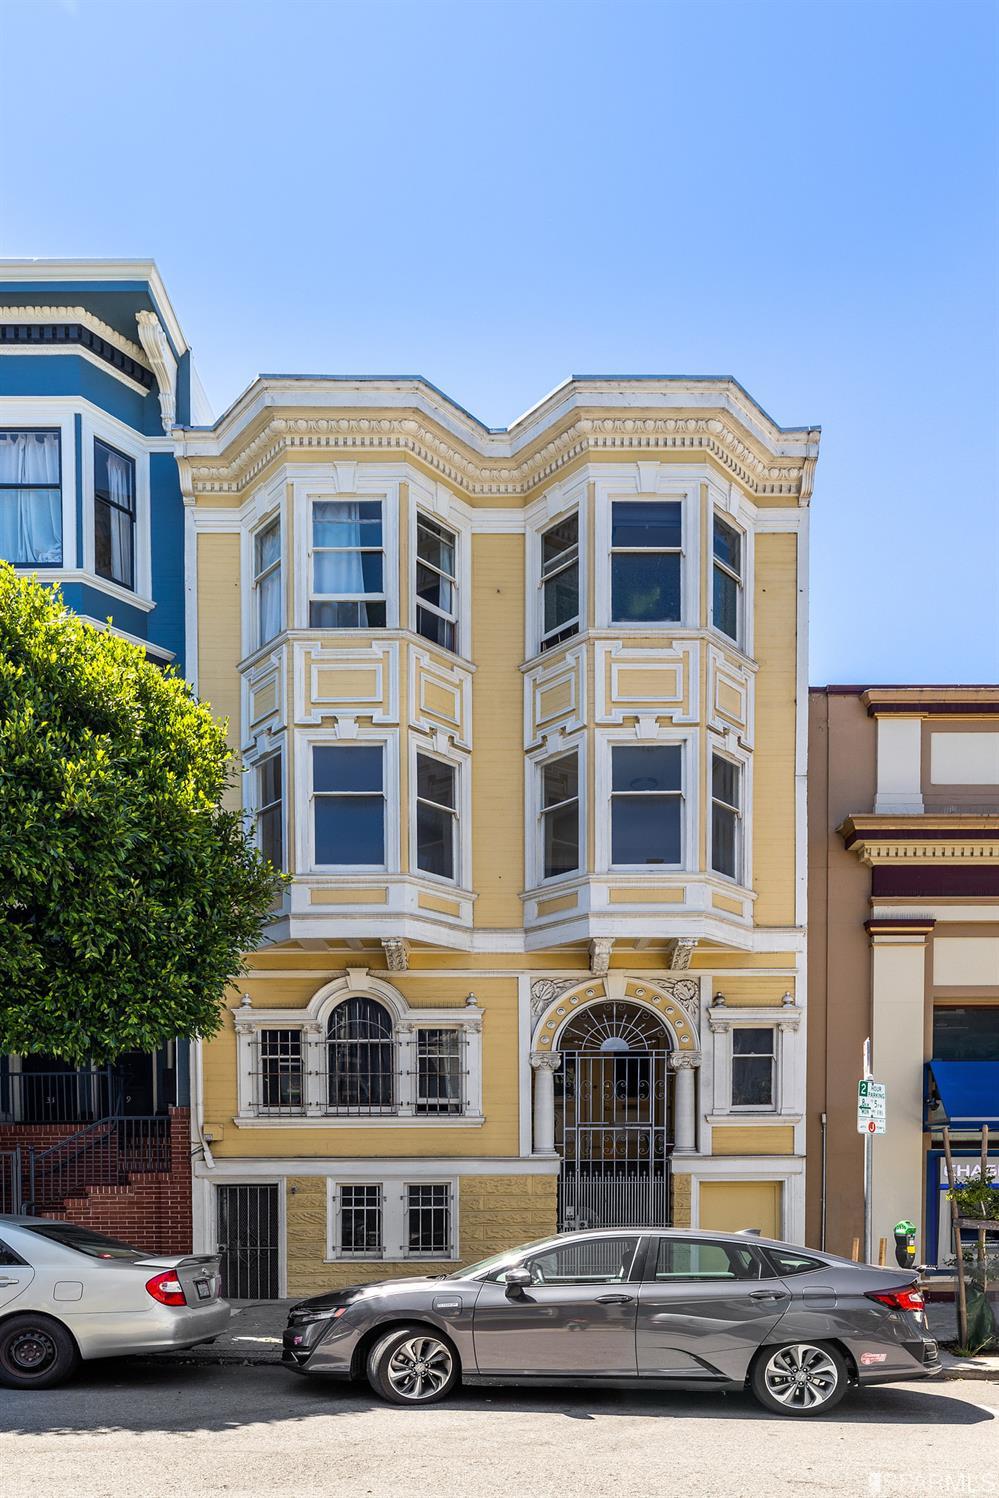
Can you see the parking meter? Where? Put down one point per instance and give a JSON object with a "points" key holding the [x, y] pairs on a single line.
{"points": [[905, 1243]]}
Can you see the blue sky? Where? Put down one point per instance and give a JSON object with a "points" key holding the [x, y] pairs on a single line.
{"points": [[803, 195]]}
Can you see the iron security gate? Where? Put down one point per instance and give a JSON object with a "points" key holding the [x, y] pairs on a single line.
{"points": [[612, 1118], [248, 1241]]}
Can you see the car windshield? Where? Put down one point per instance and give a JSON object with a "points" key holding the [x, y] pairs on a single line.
{"points": [[94, 1245], [500, 1261]]}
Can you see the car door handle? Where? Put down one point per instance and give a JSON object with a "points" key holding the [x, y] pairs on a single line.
{"points": [[5, 1283], [614, 1300], [768, 1295]]}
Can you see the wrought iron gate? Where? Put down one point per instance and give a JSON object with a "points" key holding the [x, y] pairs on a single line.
{"points": [[248, 1238], [612, 1119]]}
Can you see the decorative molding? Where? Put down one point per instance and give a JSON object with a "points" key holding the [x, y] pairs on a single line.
{"points": [[600, 954], [545, 991], [546, 1060], [164, 365], [396, 951], [684, 1060], [78, 315], [686, 992], [679, 950]]}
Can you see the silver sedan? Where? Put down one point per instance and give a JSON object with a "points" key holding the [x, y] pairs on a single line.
{"points": [[68, 1293]]}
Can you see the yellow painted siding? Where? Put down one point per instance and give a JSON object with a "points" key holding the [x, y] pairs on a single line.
{"points": [[756, 991], [750, 1141], [728, 1206], [644, 895], [348, 896], [776, 600]]}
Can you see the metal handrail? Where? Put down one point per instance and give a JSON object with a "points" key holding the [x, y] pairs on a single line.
{"points": [[104, 1153]]}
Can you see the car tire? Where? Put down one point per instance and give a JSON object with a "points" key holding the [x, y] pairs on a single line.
{"points": [[413, 1365], [35, 1352], [800, 1378]]}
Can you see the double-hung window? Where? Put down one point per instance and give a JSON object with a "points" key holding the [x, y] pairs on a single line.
{"points": [[646, 804], [436, 816], [348, 800], [560, 581], [348, 564], [428, 1221], [753, 1066], [646, 561], [270, 838], [267, 580], [436, 582], [560, 815], [439, 1072], [726, 817], [726, 597], [114, 515], [30, 498]]}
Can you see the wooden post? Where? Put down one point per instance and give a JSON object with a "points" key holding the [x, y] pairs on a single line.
{"points": [[962, 1297], [855, 1251], [882, 1251]]}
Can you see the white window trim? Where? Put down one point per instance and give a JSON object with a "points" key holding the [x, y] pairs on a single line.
{"points": [[256, 806], [346, 481], [266, 505], [305, 838], [450, 514], [256, 578], [743, 848], [606, 743], [394, 1236], [740, 628], [670, 492], [462, 763], [533, 828], [774, 1105], [124, 441], [554, 507], [788, 1059]]}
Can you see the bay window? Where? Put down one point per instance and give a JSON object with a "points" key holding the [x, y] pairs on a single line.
{"points": [[436, 816], [30, 498], [726, 817], [560, 581], [267, 581], [114, 515], [560, 815], [270, 839], [348, 565], [646, 561], [348, 801], [436, 583], [646, 804], [726, 596]]}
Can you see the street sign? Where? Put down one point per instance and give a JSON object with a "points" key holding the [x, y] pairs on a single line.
{"points": [[871, 1108]]}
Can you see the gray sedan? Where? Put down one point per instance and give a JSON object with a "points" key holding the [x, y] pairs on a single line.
{"points": [[68, 1293], [646, 1307]]}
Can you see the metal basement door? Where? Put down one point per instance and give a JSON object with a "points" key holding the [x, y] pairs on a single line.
{"points": [[248, 1241]]}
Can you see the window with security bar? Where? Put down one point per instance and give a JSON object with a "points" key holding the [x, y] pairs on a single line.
{"points": [[360, 1221], [428, 1221], [280, 1074], [361, 1058], [440, 1072]]}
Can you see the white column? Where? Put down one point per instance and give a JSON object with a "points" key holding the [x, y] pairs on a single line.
{"points": [[898, 1009], [545, 1064], [899, 765], [683, 1064]]}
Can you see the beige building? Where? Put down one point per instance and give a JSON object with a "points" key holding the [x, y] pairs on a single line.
{"points": [[523, 712], [903, 947]]}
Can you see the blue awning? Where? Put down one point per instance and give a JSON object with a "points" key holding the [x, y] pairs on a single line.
{"points": [[969, 1092]]}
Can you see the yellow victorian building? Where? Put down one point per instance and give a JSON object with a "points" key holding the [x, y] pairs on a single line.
{"points": [[524, 714]]}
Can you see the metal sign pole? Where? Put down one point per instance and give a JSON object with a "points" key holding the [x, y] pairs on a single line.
{"points": [[868, 1170]]}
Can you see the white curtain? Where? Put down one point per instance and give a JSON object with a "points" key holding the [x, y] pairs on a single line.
{"points": [[120, 490], [340, 571], [269, 606], [30, 517]]}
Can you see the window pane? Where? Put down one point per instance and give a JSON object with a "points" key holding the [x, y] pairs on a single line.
{"points": [[113, 543], [652, 769], [966, 1034], [360, 1219], [269, 825], [435, 781], [645, 829], [688, 1259], [434, 840], [634, 523], [347, 571], [561, 834], [340, 769], [559, 780], [792, 1263], [725, 780], [31, 526], [438, 1083], [350, 829], [753, 1042], [645, 588], [269, 606], [561, 598], [725, 604], [434, 544], [435, 627], [559, 539], [428, 1219], [595, 1261], [723, 840], [433, 588], [347, 615], [346, 522], [752, 1081], [114, 476], [728, 545], [29, 458], [281, 1073], [267, 545]]}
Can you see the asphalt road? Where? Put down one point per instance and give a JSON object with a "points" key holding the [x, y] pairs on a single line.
{"points": [[148, 1430]]}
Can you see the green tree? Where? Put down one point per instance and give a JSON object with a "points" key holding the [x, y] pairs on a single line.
{"points": [[128, 893]]}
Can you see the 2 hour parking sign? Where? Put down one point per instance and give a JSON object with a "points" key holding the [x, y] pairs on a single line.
{"points": [[871, 1109]]}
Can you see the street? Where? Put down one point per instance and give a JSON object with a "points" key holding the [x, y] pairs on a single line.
{"points": [[170, 1430]]}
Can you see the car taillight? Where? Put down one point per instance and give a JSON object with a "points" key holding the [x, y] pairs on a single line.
{"points": [[166, 1288], [903, 1299]]}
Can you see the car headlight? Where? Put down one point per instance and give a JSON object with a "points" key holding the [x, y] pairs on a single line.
{"points": [[306, 1318]]}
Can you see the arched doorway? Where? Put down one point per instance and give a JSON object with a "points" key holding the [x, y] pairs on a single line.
{"points": [[613, 1117]]}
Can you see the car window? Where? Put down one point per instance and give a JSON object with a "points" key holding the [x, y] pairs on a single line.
{"points": [[94, 1245], [593, 1261], [8, 1258], [699, 1259], [785, 1263]]}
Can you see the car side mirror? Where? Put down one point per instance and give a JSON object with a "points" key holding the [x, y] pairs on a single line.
{"points": [[517, 1279]]}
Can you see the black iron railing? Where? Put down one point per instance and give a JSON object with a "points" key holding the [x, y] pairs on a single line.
{"points": [[59, 1096], [104, 1153]]}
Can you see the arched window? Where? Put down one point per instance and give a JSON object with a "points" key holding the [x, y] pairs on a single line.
{"points": [[360, 1058]]}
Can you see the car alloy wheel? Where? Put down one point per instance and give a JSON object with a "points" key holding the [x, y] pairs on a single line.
{"points": [[419, 1368], [801, 1377]]}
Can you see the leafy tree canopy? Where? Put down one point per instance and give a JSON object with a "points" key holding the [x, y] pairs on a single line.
{"points": [[128, 893]]}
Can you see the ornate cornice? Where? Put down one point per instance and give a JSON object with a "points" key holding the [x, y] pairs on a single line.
{"points": [[477, 473], [77, 315], [952, 837]]}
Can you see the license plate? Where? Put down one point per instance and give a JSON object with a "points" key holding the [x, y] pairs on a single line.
{"points": [[204, 1289]]}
